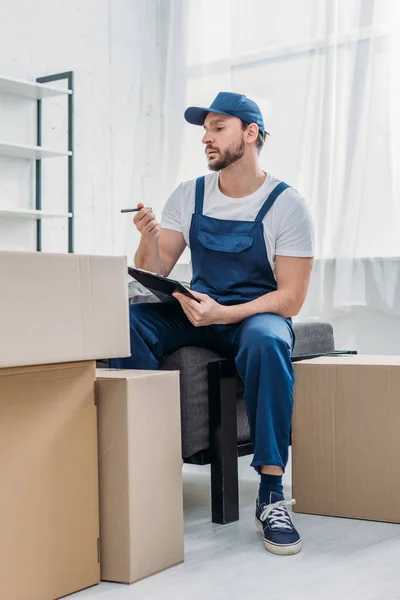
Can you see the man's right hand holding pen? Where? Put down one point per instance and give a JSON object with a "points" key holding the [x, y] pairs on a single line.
{"points": [[148, 254], [145, 222]]}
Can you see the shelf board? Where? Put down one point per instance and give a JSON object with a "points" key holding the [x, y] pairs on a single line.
{"points": [[30, 89], [24, 151], [22, 213]]}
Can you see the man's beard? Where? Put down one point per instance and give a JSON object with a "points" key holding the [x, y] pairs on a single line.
{"points": [[233, 153]]}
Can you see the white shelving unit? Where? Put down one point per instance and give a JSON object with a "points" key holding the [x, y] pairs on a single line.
{"points": [[30, 89], [34, 90], [26, 213], [24, 151]]}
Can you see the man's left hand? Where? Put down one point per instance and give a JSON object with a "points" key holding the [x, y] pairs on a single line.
{"points": [[205, 312]]}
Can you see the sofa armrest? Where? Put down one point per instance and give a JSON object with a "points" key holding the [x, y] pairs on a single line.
{"points": [[313, 338]]}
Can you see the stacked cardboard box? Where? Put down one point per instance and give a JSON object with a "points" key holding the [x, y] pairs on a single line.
{"points": [[58, 313]]}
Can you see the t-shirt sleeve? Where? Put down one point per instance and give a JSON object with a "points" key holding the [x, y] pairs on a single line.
{"points": [[295, 235], [171, 217]]}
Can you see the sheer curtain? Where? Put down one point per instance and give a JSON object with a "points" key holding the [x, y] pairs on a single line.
{"points": [[156, 125], [326, 76]]}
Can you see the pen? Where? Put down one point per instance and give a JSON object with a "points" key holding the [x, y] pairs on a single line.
{"points": [[125, 210]]}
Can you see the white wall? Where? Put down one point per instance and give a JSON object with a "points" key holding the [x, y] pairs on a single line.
{"points": [[99, 40]]}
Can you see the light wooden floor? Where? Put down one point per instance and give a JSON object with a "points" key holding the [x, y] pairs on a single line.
{"points": [[342, 559]]}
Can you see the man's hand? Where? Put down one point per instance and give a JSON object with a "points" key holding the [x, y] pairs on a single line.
{"points": [[146, 224], [207, 312]]}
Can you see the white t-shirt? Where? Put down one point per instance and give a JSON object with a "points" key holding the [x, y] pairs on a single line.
{"points": [[288, 229]]}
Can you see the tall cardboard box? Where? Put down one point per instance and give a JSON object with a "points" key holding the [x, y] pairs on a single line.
{"points": [[49, 521], [346, 437], [140, 470]]}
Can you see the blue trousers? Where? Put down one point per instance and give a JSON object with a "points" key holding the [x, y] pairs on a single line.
{"points": [[260, 345]]}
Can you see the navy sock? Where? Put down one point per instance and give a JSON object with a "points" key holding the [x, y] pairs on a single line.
{"points": [[268, 484]]}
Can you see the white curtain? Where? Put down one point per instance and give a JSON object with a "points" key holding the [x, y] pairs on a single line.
{"points": [[326, 76], [156, 126]]}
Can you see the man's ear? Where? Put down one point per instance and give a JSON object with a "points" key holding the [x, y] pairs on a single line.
{"points": [[251, 133]]}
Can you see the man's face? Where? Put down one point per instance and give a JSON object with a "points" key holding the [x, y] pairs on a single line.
{"points": [[224, 141]]}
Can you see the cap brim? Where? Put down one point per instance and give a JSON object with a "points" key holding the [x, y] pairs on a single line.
{"points": [[197, 115]]}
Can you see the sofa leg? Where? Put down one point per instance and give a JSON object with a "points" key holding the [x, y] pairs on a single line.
{"points": [[223, 442]]}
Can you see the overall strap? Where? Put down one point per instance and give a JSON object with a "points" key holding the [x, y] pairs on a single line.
{"points": [[277, 191], [198, 205]]}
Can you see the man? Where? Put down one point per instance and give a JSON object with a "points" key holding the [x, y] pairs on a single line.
{"points": [[251, 244]]}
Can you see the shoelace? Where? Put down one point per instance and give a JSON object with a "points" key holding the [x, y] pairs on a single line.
{"points": [[278, 515]]}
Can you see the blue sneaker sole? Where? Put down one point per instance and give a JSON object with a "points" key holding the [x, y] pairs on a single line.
{"points": [[281, 549]]}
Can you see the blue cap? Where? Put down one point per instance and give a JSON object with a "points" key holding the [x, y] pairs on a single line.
{"points": [[230, 104]]}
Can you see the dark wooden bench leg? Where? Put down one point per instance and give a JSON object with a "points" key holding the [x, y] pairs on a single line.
{"points": [[223, 442]]}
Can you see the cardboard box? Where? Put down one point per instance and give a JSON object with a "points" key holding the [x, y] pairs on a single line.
{"points": [[140, 472], [346, 437], [49, 519], [62, 307]]}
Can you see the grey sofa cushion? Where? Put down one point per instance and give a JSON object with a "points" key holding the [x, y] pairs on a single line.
{"points": [[311, 338], [138, 293]]}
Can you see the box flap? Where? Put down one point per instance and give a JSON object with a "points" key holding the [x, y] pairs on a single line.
{"points": [[352, 360], [127, 373]]}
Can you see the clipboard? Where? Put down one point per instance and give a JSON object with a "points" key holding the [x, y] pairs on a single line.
{"points": [[158, 283]]}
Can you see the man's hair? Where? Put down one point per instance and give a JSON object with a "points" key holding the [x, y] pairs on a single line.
{"points": [[260, 141]]}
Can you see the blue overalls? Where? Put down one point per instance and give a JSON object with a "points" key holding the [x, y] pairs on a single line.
{"points": [[230, 264]]}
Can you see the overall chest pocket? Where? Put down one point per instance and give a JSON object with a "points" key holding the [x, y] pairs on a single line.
{"points": [[223, 242]]}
